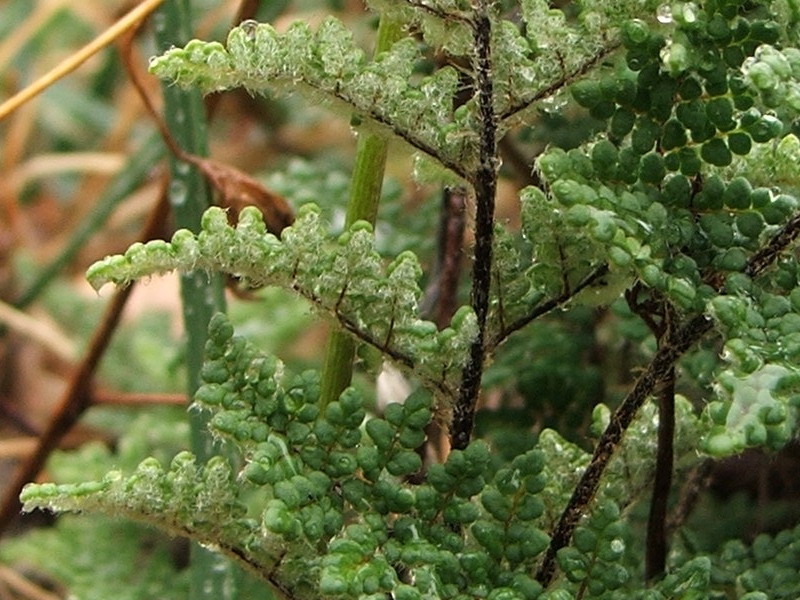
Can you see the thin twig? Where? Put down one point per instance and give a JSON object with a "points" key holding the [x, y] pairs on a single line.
{"points": [[554, 87], [106, 397], [484, 182], [75, 60], [77, 396], [545, 307], [49, 336], [664, 360]]}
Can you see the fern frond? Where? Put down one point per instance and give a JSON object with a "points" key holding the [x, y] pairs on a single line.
{"points": [[344, 279], [327, 64]]}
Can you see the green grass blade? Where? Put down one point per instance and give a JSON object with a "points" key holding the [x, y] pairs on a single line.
{"points": [[213, 577]]}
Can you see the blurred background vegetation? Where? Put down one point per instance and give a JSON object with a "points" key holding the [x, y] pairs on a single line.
{"points": [[81, 168]]}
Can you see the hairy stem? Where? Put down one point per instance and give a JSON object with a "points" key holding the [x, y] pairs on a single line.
{"points": [[485, 184], [365, 193], [585, 491]]}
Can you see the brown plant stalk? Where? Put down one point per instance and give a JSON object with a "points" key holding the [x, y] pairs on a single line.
{"points": [[674, 346]]}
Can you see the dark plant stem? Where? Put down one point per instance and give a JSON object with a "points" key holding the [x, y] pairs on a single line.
{"points": [[656, 545], [659, 316], [585, 491], [694, 483], [485, 184], [674, 346]]}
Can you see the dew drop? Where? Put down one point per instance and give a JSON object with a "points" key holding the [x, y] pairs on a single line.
{"points": [[178, 193], [249, 26], [160, 21], [689, 12], [664, 14]]}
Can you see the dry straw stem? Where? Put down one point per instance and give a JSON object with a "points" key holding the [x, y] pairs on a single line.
{"points": [[48, 335], [48, 165], [24, 586], [75, 60]]}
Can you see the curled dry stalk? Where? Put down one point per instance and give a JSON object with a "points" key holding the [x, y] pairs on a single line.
{"points": [[236, 188]]}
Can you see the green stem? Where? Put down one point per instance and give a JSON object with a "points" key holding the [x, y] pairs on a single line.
{"points": [[365, 193], [212, 575]]}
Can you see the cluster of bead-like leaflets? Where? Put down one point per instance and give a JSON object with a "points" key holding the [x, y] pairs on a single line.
{"points": [[333, 479], [637, 189], [344, 278], [593, 561], [757, 401], [769, 563], [681, 192], [321, 465]]}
